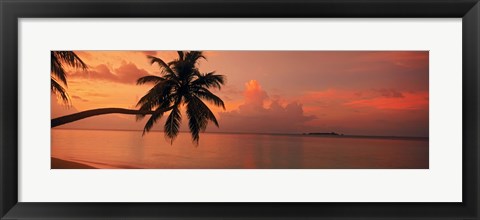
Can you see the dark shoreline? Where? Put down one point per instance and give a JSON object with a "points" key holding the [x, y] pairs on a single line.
{"points": [[56, 163]]}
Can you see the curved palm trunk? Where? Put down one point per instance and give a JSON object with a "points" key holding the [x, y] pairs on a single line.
{"points": [[94, 112]]}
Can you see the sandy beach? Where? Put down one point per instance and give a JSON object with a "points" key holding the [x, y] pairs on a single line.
{"points": [[64, 164]]}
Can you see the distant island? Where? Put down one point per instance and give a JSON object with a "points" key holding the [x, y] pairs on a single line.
{"points": [[324, 133], [334, 134]]}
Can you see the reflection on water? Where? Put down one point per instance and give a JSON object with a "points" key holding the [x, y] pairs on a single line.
{"points": [[128, 149]]}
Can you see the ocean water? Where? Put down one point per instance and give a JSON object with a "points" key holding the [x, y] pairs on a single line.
{"points": [[128, 149]]}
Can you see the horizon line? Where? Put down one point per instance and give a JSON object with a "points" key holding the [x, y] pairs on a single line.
{"points": [[310, 134]]}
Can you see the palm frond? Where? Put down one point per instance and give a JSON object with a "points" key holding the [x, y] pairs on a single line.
{"points": [[161, 63], [57, 70], [197, 121], [157, 97], [181, 55], [71, 59], [161, 89], [194, 56], [149, 79], [209, 96], [209, 80], [161, 104], [205, 111], [58, 90], [172, 124], [151, 121]]}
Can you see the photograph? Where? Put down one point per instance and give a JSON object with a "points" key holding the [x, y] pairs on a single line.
{"points": [[318, 109], [236, 109]]}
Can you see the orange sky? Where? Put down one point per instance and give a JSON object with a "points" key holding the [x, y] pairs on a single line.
{"points": [[365, 93]]}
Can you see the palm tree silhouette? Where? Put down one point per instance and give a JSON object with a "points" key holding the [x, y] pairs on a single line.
{"points": [[181, 85], [58, 76]]}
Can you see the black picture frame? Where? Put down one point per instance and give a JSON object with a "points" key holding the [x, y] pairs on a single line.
{"points": [[12, 10]]}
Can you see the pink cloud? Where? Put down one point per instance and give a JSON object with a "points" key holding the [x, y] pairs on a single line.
{"points": [[402, 59], [384, 111], [390, 93], [384, 98], [127, 73], [255, 116], [255, 97], [79, 98], [409, 101]]}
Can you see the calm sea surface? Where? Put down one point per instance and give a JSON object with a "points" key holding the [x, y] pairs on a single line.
{"points": [[128, 149]]}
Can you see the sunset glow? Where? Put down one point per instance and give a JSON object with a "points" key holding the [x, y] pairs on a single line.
{"points": [[348, 92]]}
